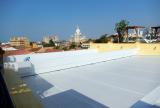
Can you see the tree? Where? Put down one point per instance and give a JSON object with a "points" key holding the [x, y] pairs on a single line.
{"points": [[89, 40], [102, 39], [120, 28], [73, 45], [51, 43]]}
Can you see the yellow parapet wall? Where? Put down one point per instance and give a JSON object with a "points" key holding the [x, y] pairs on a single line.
{"points": [[149, 49], [144, 48], [111, 46]]}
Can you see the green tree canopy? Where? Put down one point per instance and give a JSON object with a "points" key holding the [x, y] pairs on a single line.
{"points": [[102, 39], [73, 45], [51, 43], [120, 28]]}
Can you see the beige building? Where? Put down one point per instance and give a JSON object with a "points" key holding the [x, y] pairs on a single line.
{"points": [[22, 42], [46, 39]]}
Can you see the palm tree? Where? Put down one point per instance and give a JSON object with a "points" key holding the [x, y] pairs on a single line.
{"points": [[120, 28]]}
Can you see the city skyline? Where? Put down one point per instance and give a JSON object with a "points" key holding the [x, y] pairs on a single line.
{"points": [[36, 19]]}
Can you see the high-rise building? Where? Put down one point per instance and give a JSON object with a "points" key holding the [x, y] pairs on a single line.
{"points": [[77, 37], [22, 42]]}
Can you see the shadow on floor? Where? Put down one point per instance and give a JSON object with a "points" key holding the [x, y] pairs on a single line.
{"points": [[51, 97], [70, 99], [141, 104]]}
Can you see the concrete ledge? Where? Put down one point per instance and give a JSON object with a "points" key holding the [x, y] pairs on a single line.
{"points": [[48, 63]]}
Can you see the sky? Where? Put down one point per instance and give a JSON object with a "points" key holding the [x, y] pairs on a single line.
{"points": [[37, 18]]}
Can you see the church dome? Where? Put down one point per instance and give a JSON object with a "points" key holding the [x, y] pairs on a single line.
{"points": [[78, 31]]}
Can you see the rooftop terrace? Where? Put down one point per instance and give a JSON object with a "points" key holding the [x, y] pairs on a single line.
{"points": [[88, 79]]}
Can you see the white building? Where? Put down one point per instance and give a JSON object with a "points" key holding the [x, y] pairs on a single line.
{"points": [[78, 37], [133, 34]]}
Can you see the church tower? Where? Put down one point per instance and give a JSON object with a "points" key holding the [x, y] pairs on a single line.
{"points": [[77, 35]]}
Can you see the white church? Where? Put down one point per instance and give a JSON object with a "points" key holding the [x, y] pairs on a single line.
{"points": [[78, 37]]}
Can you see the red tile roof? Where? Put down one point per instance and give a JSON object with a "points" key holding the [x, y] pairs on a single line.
{"points": [[17, 52], [46, 50]]}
